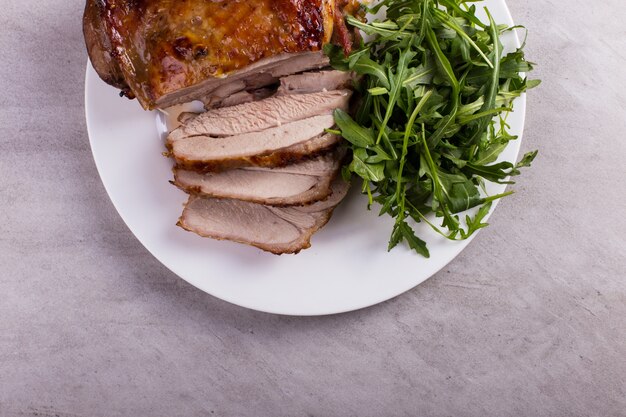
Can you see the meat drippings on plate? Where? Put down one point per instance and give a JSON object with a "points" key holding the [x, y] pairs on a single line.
{"points": [[264, 171]]}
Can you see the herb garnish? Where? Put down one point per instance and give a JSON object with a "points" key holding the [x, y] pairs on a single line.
{"points": [[424, 136]]}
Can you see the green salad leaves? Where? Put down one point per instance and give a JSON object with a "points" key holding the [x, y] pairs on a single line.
{"points": [[431, 120]]}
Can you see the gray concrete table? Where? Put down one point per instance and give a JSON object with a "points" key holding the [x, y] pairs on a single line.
{"points": [[530, 320]]}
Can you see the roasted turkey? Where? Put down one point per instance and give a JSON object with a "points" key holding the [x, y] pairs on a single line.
{"points": [[166, 52], [262, 163]]}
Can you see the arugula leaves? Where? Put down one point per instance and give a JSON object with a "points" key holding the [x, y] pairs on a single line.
{"points": [[424, 137]]}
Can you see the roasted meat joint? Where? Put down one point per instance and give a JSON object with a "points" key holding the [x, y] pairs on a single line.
{"points": [[166, 52], [261, 164]]}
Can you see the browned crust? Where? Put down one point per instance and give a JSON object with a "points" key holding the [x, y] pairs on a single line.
{"points": [[165, 46], [172, 60], [99, 47], [342, 35], [309, 15]]}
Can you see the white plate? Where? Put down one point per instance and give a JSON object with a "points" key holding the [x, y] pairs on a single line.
{"points": [[348, 266]]}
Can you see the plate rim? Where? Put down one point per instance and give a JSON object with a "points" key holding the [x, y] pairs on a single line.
{"points": [[520, 106]]}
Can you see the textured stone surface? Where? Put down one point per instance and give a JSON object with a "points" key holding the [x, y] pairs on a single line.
{"points": [[530, 320]]}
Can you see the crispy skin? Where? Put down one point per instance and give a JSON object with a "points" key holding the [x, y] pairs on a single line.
{"points": [[163, 46], [99, 46]]}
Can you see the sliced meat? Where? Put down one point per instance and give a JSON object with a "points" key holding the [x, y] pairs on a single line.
{"points": [[170, 52], [312, 82], [297, 184], [272, 147], [186, 116], [265, 72], [260, 115], [242, 97], [274, 229]]}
